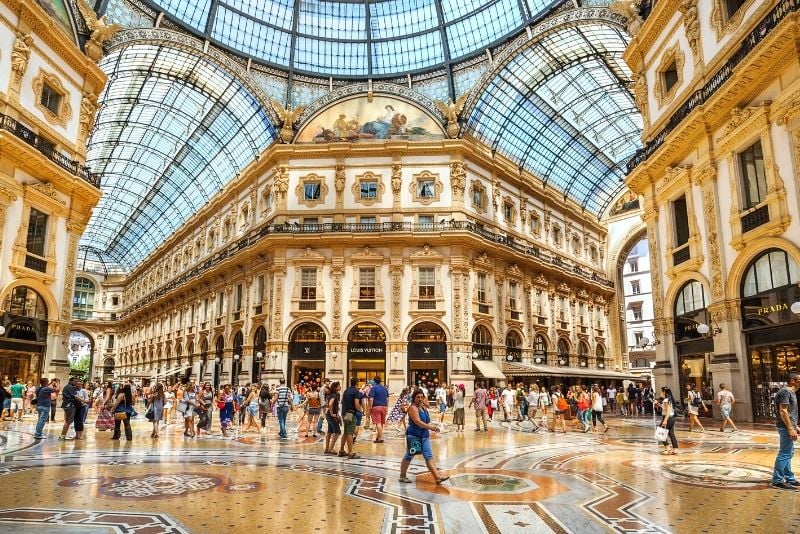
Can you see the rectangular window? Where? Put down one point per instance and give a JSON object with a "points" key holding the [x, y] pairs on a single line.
{"points": [[369, 190], [633, 266], [110, 343], [426, 189], [366, 288], [562, 312], [637, 337], [681, 215], [308, 284], [754, 179], [426, 220], [582, 313], [636, 311], [51, 99], [636, 287], [427, 283], [309, 221], [540, 303], [512, 296], [37, 232], [670, 76], [477, 197], [367, 220], [205, 310], [220, 302], [482, 288], [311, 190], [260, 289], [239, 295], [732, 6], [508, 212]]}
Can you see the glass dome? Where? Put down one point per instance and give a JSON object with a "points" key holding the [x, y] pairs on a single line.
{"points": [[342, 38]]}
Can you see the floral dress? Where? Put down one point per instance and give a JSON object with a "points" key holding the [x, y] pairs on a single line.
{"points": [[397, 412]]}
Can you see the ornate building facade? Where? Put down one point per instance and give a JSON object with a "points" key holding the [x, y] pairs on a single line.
{"points": [[48, 94], [718, 84], [419, 262]]}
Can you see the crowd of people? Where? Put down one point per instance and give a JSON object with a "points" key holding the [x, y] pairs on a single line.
{"points": [[344, 413]]}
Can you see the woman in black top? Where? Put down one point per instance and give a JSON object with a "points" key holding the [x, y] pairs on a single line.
{"points": [[123, 403]]}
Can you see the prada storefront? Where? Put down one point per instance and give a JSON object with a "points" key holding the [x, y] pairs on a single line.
{"points": [[772, 330], [23, 343], [366, 353], [694, 349], [427, 356], [307, 355]]}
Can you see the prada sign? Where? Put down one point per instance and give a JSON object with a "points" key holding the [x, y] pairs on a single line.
{"points": [[427, 351], [484, 351]]}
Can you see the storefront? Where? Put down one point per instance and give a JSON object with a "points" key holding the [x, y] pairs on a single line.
{"points": [[427, 357], [23, 344], [307, 355], [513, 347], [694, 349], [772, 330], [366, 353]]}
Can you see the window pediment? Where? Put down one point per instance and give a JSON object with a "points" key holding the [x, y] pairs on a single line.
{"points": [[426, 188]]}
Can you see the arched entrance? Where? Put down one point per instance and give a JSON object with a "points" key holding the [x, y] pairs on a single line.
{"points": [[307, 354], [190, 370], [768, 289], [694, 349], [481, 343], [583, 354], [81, 354], [259, 346], [427, 356], [108, 369], [23, 344], [562, 350], [366, 352]]}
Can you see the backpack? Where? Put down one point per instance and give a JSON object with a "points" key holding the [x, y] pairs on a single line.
{"points": [[561, 404], [696, 401]]}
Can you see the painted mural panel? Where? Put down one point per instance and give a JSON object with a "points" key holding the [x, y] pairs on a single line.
{"points": [[60, 13], [358, 119]]}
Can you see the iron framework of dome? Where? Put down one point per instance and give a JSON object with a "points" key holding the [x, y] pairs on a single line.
{"points": [[176, 125]]}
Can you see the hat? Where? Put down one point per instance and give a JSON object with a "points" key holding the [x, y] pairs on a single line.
{"points": [[461, 387]]}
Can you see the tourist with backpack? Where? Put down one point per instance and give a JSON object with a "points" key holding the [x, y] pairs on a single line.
{"points": [[560, 408]]}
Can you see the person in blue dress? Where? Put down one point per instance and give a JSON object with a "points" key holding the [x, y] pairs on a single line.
{"points": [[380, 128], [418, 438]]}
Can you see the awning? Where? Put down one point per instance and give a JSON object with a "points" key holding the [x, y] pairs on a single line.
{"points": [[489, 369], [524, 369], [172, 371]]}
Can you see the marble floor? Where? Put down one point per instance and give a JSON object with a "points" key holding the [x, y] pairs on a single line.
{"points": [[505, 480]]}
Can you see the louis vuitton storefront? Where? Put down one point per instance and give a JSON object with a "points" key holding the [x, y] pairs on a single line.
{"points": [[307, 355], [427, 356], [769, 289]]}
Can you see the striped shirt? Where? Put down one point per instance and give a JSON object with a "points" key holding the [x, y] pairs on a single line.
{"points": [[284, 396]]}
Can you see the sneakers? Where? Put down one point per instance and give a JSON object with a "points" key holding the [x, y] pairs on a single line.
{"points": [[784, 485], [794, 483]]}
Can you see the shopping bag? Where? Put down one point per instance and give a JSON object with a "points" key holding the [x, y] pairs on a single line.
{"points": [[661, 434], [105, 421]]}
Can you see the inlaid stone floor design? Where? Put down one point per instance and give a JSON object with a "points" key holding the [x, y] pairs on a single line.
{"points": [[505, 480]]}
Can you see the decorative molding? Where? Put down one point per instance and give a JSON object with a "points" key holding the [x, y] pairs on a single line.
{"points": [[630, 10], [64, 113], [300, 190], [368, 177], [452, 111], [458, 178], [397, 178], [476, 186], [691, 26], [673, 55], [437, 187], [720, 21]]}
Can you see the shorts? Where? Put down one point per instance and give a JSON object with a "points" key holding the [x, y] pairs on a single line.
{"points": [[69, 414], [442, 407], [252, 410], [333, 425], [16, 403], [358, 419], [189, 413], [314, 411], [378, 415], [725, 409], [7, 404], [350, 427], [427, 451]]}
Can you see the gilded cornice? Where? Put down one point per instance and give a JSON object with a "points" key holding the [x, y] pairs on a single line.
{"points": [[651, 30], [675, 179], [45, 28], [743, 124]]}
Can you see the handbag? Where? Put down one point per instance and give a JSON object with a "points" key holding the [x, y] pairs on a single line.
{"points": [[149, 414], [105, 421], [662, 434], [220, 405], [120, 416], [413, 445]]}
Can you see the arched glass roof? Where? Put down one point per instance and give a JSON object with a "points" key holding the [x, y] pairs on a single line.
{"points": [[562, 109], [171, 131], [355, 37]]}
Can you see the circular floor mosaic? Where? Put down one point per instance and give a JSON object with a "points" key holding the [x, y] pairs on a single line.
{"points": [[725, 474], [491, 483], [151, 486]]}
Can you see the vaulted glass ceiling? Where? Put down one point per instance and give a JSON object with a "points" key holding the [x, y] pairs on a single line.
{"points": [[562, 109], [355, 38], [172, 130]]}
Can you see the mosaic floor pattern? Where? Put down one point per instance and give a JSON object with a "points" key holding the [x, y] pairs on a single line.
{"points": [[505, 480]]}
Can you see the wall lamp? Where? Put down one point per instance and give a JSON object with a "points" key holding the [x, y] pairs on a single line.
{"points": [[795, 310], [708, 331]]}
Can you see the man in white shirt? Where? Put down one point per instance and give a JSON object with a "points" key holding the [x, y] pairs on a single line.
{"points": [[611, 395], [441, 401], [509, 401], [725, 401]]}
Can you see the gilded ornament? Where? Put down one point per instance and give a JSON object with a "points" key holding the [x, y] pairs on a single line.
{"points": [[630, 11], [397, 178], [287, 117], [691, 25], [20, 55], [102, 32], [452, 111]]}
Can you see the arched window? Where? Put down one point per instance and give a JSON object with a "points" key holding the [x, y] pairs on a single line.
{"points": [[426, 332], [600, 356], [539, 349], [583, 354], [563, 352], [691, 298], [83, 298], [513, 347], [481, 336], [772, 270], [307, 333], [25, 302]]}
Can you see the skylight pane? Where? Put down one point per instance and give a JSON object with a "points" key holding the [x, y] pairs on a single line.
{"points": [[192, 12]]}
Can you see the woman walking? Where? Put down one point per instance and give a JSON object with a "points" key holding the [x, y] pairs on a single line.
{"points": [[693, 404], [156, 400], [597, 409], [458, 408], [560, 407], [121, 408], [169, 405], [668, 420], [333, 419], [251, 406], [418, 438], [190, 400], [264, 405], [225, 405], [205, 399], [314, 408]]}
